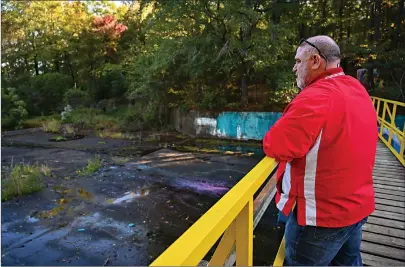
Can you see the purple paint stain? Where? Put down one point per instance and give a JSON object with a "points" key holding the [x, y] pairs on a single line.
{"points": [[203, 186]]}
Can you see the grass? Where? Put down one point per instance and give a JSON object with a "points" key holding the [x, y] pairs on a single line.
{"points": [[95, 119], [52, 126], [118, 135], [22, 180], [69, 129], [59, 138], [109, 134], [93, 165], [37, 122]]}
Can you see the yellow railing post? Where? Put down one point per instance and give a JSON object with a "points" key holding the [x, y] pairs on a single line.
{"points": [[391, 126], [279, 260], [244, 236], [234, 209]]}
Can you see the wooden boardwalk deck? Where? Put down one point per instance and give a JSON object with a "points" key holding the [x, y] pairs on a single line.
{"points": [[384, 233]]}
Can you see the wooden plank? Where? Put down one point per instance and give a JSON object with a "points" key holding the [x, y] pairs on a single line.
{"points": [[373, 260], [387, 162], [384, 251], [400, 204], [391, 180], [392, 209], [389, 215], [387, 196], [393, 188], [389, 192], [379, 174], [384, 240], [384, 230], [385, 182], [386, 222], [389, 173]]}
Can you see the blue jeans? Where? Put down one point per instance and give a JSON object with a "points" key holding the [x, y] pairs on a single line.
{"points": [[321, 246]]}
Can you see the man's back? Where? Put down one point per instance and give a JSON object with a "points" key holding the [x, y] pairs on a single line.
{"points": [[344, 191]]}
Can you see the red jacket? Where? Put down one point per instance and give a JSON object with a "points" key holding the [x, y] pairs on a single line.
{"points": [[326, 143]]}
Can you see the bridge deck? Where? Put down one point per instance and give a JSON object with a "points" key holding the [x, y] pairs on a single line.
{"points": [[384, 233]]}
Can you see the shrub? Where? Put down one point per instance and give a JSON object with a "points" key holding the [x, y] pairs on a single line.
{"points": [[93, 165], [52, 126], [13, 110], [23, 179], [45, 94], [76, 98]]}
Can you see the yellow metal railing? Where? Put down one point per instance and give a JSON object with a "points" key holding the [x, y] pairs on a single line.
{"points": [[388, 129], [231, 217]]}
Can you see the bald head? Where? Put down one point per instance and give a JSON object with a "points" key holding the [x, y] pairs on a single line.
{"points": [[326, 45], [310, 63]]}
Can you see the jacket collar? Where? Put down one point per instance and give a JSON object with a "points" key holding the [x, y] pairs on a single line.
{"points": [[325, 74]]}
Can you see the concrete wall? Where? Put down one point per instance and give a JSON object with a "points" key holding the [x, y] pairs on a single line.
{"points": [[233, 125]]}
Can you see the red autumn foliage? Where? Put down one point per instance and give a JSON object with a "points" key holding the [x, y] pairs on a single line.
{"points": [[108, 26]]}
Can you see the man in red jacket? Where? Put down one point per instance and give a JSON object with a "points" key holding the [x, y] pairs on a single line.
{"points": [[325, 144]]}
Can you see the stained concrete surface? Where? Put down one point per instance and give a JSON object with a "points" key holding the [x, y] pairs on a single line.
{"points": [[126, 213]]}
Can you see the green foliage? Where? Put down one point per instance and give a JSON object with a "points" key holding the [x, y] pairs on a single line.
{"points": [[77, 98], [52, 126], [45, 95], [23, 179], [211, 55], [93, 165], [36, 122], [91, 118], [13, 110], [112, 82]]}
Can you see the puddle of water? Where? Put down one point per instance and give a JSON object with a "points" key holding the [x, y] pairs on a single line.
{"points": [[98, 222], [130, 196]]}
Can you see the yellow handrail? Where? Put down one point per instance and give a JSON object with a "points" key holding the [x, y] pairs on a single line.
{"points": [[232, 216], [389, 107], [234, 209]]}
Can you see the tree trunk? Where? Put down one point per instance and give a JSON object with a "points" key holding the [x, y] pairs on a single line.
{"points": [[244, 89], [341, 8], [27, 65], [377, 18], [395, 40], [322, 27], [35, 59], [371, 25], [36, 65], [275, 12], [57, 67], [70, 69], [302, 31]]}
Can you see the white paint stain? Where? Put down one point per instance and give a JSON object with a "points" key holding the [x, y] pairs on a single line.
{"points": [[238, 132], [203, 122], [130, 196]]}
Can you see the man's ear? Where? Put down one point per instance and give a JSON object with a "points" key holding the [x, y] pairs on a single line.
{"points": [[317, 62]]}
